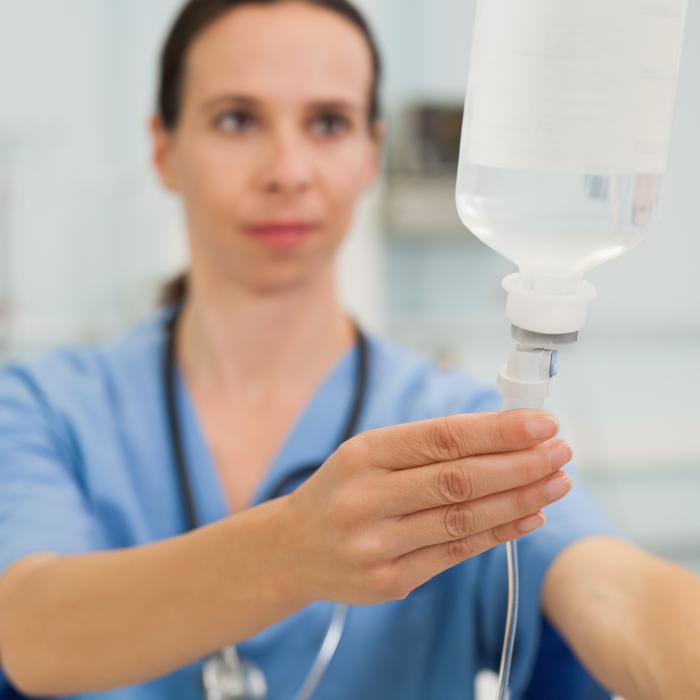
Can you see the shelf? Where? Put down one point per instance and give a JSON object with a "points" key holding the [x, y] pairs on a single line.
{"points": [[422, 206]]}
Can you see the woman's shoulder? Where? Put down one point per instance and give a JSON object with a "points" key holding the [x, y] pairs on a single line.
{"points": [[82, 376], [407, 386]]}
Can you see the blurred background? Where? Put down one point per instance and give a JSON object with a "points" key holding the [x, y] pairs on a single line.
{"points": [[87, 237]]}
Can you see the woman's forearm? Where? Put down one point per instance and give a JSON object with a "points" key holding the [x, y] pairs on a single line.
{"points": [[98, 621], [672, 630], [632, 618]]}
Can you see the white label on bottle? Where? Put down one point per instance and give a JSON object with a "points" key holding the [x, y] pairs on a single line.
{"points": [[573, 85]]}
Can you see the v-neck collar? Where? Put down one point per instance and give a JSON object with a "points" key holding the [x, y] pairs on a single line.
{"points": [[311, 440]]}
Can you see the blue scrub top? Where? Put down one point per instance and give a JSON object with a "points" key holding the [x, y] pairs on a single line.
{"points": [[86, 464]]}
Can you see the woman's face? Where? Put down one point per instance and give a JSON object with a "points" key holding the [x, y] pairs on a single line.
{"points": [[273, 147]]}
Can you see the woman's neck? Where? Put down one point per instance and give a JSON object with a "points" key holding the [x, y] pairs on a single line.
{"points": [[235, 340]]}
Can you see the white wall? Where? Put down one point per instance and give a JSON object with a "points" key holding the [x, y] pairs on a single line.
{"points": [[90, 228]]}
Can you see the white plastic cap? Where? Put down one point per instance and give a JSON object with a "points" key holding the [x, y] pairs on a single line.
{"points": [[548, 306]]}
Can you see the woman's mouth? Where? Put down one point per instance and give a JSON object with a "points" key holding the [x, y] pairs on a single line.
{"points": [[281, 235]]}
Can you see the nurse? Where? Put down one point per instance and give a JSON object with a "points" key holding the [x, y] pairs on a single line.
{"points": [[148, 511]]}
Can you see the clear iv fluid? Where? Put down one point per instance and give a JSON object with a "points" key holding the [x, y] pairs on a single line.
{"points": [[566, 127], [557, 224]]}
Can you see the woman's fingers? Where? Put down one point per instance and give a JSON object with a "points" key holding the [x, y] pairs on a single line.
{"points": [[451, 438], [463, 520], [422, 488], [415, 568], [420, 497]]}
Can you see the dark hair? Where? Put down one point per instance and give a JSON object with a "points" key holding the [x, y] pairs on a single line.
{"points": [[193, 19]]}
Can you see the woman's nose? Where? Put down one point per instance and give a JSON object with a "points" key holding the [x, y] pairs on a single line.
{"points": [[289, 166]]}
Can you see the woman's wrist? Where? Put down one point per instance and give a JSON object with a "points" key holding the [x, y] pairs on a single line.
{"points": [[283, 574]]}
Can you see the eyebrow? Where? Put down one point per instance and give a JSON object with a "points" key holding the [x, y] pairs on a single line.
{"points": [[252, 103]]}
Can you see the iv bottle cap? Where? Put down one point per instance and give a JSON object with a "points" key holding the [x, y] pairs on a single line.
{"points": [[548, 306]]}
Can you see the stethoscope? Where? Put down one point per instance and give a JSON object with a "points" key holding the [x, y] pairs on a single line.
{"points": [[226, 675]]}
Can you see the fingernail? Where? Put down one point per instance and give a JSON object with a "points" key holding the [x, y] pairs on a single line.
{"points": [[557, 486], [560, 454], [531, 523], [542, 427]]}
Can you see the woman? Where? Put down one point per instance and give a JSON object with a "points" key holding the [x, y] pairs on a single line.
{"points": [[268, 129]]}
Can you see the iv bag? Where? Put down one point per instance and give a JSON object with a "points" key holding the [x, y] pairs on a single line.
{"points": [[566, 127]]}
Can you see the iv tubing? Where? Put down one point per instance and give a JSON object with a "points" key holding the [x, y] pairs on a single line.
{"points": [[524, 383], [511, 620]]}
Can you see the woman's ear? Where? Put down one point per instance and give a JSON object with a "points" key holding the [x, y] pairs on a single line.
{"points": [[162, 145], [378, 138]]}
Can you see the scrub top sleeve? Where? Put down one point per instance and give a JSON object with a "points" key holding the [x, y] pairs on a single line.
{"points": [[484, 399], [42, 506]]}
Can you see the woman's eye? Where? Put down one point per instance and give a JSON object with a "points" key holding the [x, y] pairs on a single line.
{"points": [[234, 122], [331, 124]]}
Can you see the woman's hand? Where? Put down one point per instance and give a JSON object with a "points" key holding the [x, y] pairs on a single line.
{"points": [[393, 508]]}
